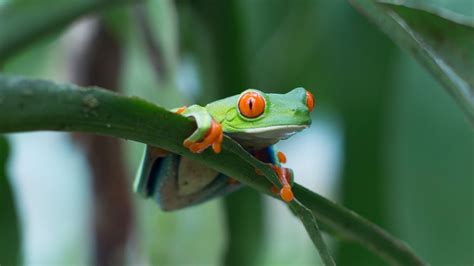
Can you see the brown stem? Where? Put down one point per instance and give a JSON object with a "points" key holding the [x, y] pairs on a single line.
{"points": [[153, 46], [99, 64]]}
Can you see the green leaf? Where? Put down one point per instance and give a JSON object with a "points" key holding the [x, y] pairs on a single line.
{"points": [[441, 41], [430, 161], [9, 225], [312, 228], [41, 105], [245, 228], [23, 22]]}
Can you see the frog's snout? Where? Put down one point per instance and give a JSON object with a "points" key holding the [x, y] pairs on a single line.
{"points": [[306, 98]]}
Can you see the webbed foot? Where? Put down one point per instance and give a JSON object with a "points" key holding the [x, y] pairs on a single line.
{"points": [[213, 138], [208, 133], [284, 175]]}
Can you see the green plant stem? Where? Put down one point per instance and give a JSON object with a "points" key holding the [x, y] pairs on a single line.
{"points": [[32, 105], [245, 227]]}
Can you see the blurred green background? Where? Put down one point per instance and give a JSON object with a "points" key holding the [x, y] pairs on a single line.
{"points": [[387, 141]]}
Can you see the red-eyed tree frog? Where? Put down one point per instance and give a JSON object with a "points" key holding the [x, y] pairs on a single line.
{"points": [[256, 120]]}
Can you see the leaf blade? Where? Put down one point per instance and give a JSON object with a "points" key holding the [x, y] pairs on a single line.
{"points": [[311, 226], [440, 41]]}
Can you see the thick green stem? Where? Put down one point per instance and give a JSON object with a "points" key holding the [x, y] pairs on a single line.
{"points": [[31, 105], [245, 227]]}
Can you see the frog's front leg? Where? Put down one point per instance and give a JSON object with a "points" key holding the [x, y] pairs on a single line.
{"points": [[208, 133]]}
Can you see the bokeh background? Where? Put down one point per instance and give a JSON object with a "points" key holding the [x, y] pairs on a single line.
{"points": [[387, 141]]}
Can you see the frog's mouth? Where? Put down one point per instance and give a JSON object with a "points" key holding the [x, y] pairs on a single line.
{"points": [[265, 136]]}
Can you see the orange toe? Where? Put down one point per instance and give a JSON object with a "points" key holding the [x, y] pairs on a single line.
{"points": [[216, 145], [283, 175], [281, 157], [213, 138], [286, 194], [181, 110]]}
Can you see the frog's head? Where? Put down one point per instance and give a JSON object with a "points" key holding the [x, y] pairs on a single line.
{"points": [[257, 119]]}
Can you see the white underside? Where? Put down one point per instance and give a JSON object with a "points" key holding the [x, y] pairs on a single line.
{"points": [[266, 136]]}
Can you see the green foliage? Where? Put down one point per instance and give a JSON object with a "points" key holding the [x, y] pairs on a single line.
{"points": [[430, 153], [440, 40]]}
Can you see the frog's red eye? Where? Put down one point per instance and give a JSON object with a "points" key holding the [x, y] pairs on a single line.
{"points": [[251, 104]]}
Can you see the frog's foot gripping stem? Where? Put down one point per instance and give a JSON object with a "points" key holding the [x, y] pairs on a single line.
{"points": [[284, 175], [208, 133], [213, 138]]}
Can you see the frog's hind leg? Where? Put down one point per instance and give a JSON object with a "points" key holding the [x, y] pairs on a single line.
{"points": [[152, 160], [176, 182], [191, 184]]}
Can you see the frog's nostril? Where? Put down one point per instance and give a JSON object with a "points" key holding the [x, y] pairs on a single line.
{"points": [[309, 101]]}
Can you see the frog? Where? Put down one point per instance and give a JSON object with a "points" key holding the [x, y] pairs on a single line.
{"points": [[254, 119]]}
